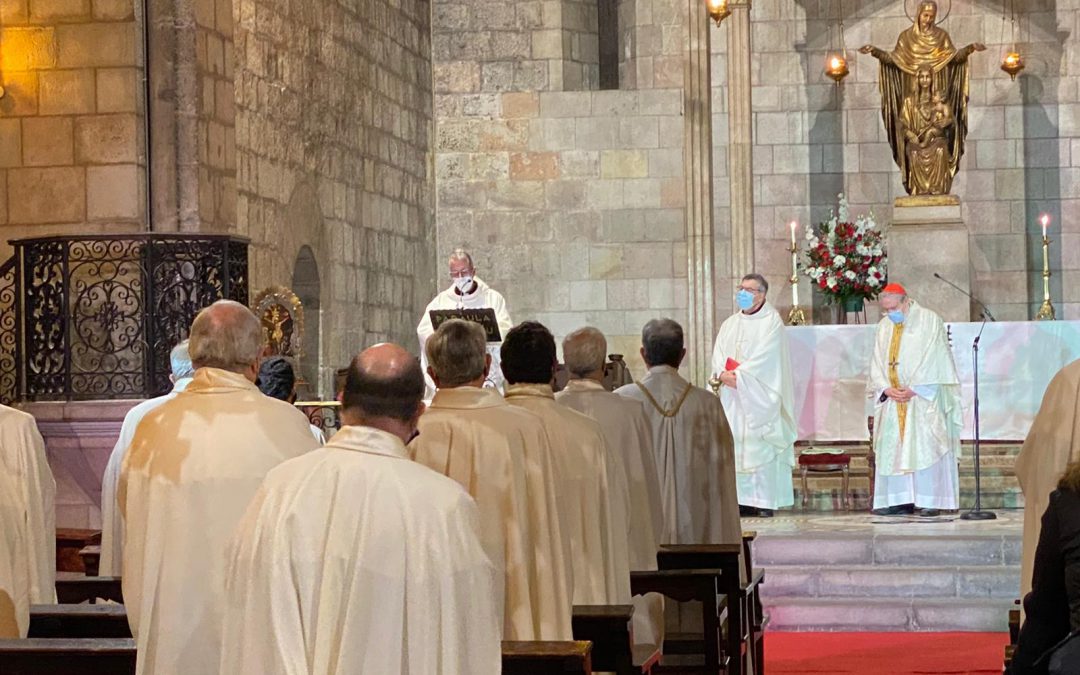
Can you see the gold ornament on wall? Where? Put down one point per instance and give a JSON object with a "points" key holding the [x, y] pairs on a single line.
{"points": [[836, 63], [1012, 63], [718, 10]]}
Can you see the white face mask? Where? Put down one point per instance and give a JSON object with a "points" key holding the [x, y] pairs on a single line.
{"points": [[463, 284]]}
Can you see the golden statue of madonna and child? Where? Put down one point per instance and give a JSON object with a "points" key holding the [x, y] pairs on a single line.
{"points": [[924, 100]]}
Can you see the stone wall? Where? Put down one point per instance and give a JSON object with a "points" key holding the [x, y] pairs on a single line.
{"points": [[71, 158], [333, 140], [814, 140]]}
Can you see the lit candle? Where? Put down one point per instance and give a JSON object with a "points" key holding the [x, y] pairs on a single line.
{"points": [[1045, 219], [794, 224]]}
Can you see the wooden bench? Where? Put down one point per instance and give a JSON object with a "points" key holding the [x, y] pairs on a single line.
{"points": [[36, 656], [69, 541], [546, 658], [91, 559], [607, 627], [1014, 635], [73, 588], [689, 585], [745, 622], [78, 621]]}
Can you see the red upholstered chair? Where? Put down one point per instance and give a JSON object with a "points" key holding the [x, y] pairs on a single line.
{"points": [[824, 462]]}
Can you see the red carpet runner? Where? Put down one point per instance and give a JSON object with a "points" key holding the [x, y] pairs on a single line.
{"points": [[885, 653]]}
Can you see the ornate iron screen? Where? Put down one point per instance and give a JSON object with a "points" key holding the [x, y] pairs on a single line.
{"points": [[95, 317]]}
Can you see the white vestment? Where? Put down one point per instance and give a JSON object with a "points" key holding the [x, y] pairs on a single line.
{"points": [[22, 456], [482, 297], [695, 458], [629, 440], [112, 524], [761, 408], [354, 559], [191, 470], [916, 444], [16, 563]]}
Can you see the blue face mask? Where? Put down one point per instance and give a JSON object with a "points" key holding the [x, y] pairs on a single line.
{"points": [[896, 316], [744, 298]]}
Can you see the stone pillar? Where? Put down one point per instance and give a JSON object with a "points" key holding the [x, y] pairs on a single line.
{"points": [[697, 104], [928, 236], [740, 138]]}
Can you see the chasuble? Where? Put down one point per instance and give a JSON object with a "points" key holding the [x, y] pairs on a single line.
{"points": [[761, 408], [191, 470], [1051, 445], [354, 559], [22, 457], [917, 443], [112, 524], [501, 455], [16, 563]]}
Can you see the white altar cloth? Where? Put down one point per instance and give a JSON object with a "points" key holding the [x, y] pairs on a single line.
{"points": [[1017, 359]]}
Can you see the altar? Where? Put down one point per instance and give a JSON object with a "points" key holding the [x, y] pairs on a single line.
{"points": [[1017, 360]]}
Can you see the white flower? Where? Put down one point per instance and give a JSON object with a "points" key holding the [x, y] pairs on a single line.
{"points": [[831, 283], [850, 275], [810, 234], [872, 281], [871, 271], [839, 261]]}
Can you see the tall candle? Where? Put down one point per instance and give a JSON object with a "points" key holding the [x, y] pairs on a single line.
{"points": [[1045, 219], [794, 224]]}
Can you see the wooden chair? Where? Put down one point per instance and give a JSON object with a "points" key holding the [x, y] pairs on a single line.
{"points": [[826, 463], [607, 627], [546, 658], [49, 656], [689, 585], [871, 459], [72, 589], [1014, 634], [78, 621], [91, 559]]}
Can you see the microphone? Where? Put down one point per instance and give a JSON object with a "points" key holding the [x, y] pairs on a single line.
{"points": [[986, 310]]}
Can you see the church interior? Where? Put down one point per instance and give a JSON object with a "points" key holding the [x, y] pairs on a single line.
{"points": [[889, 180]]}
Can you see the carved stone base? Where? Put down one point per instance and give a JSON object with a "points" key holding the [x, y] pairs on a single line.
{"points": [[928, 236]]}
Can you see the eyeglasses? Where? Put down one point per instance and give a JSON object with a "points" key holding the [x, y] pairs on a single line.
{"points": [[462, 273], [748, 290]]}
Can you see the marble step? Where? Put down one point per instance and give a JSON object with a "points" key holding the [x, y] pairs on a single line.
{"points": [[887, 614], [1000, 582], [893, 550]]}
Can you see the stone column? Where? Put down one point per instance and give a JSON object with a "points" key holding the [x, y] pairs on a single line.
{"points": [[740, 138], [698, 158]]}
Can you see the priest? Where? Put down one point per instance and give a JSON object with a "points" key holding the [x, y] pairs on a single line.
{"points": [[112, 525], [629, 441], [466, 291], [1051, 445], [367, 562], [750, 359], [594, 499], [191, 470], [502, 456], [692, 443], [917, 412], [16, 563], [23, 459]]}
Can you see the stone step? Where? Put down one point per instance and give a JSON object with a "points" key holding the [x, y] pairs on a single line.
{"points": [[915, 550], [881, 581], [887, 614]]}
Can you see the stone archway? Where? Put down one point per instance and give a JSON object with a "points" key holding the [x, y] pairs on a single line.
{"points": [[306, 285]]}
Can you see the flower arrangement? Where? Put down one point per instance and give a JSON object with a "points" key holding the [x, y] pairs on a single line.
{"points": [[845, 259]]}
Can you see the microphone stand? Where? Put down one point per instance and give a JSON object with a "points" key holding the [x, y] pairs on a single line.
{"points": [[985, 309], [977, 513]]}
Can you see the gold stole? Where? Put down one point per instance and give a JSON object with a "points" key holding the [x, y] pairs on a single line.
{"points": [[894, 377]]}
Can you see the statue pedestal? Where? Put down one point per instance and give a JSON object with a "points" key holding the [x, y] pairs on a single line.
{"points": [[928, 235]]}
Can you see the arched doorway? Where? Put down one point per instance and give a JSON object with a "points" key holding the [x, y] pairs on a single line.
{"points": [[305, 283]]}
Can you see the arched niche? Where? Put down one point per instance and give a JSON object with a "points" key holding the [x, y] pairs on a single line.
{"points": [[306, 285]]}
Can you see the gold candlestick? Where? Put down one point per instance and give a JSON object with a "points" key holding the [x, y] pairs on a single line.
{"points": [[1046, 311], [795, 317]]}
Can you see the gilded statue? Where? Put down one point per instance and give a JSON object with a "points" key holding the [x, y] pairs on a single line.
{"points": [[924, 98]]}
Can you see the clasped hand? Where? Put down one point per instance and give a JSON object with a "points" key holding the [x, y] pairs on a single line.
{"points": [[727, 378], [900, 395]]}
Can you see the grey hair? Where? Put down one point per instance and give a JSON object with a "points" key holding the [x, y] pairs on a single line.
{"points": [[180, 361], [662, 340], [461, 254], [902, 296], [584, 351], [225, 335], [456, 352], [759, 280]]}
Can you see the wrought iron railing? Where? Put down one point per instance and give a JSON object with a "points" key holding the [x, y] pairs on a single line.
{"points": [[95, 317], [325, 415]]}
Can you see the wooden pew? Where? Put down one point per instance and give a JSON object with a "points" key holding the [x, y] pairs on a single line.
{"points": [[754, 613], [1014, 635], [69, 541], [546, 658], [91, 559], [78, 621], [689, 585], [607, 627], [723, 560], [67, 657], [72, 589]]}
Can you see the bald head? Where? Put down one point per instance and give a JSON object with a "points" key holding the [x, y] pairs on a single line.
{"points": [[384, 382], [584, 352], [226, 335]]}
